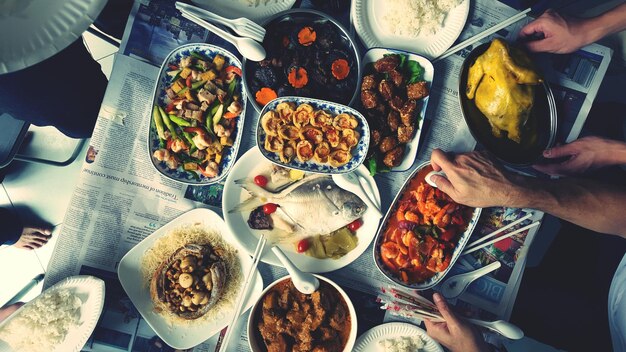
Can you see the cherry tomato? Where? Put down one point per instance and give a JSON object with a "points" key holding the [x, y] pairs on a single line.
{"points": [[269, 208], [355, 225], [303, 245], [260, 180]]}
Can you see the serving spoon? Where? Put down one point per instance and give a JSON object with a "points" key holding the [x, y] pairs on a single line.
{"points": [[350, 182], [304, 282], [431, 174], [455, 285], [248, 48], [502, 327]]}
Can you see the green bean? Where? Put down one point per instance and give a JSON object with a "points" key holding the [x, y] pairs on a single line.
{"points": [[168, 123], [158, 122]]}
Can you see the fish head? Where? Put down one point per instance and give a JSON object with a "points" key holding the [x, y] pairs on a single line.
{"points": [[353, 209]]}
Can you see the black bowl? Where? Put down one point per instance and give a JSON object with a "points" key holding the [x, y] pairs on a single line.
{"points": [[539, 131], [342, 45]]}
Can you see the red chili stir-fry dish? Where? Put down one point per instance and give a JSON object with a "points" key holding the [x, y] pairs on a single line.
{"points": [[423, 231]]}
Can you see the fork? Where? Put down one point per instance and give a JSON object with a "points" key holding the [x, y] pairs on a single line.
{"points": [[242, 26]]}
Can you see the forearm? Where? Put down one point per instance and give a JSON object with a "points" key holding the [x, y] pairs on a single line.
{"points": [[615, 153], [583, 202], [610, 22]]}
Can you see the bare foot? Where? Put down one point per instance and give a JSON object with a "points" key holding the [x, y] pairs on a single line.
{"points": [[33, 237]]}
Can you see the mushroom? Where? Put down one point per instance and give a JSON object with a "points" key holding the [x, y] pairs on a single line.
{"points": [[198, 297], [187, 301], [185, 280], [188, 264], [207, 281]]}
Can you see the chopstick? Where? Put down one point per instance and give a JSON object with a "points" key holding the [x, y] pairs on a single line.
{"points": [[509, 21], [474, 249], [506, 227], [256, 257]]}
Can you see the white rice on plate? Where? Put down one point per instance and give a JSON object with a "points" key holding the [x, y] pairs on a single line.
{"points": [[44, 323], [410, 18], [402, 344]]}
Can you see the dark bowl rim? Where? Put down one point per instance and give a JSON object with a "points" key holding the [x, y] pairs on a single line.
{"points": [[325, 16], [551, 106]]}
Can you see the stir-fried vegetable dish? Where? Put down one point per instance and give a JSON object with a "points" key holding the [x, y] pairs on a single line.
{"points": [[197, 123], [422, 233]]}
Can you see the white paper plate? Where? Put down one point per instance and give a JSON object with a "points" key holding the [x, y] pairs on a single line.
{"points": [[182, 336], [368, 342], [366, 17], [239, 8], [90, 290], [251, 164], [34, 30]]}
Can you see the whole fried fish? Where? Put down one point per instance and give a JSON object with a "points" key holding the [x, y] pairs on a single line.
{"points": [[315, 204]]}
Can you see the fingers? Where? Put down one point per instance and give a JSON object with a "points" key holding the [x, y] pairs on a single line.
{"points": [[445, 311], [531, 28], [440, 161], [561, 151], [543, 45], [443, 184]]}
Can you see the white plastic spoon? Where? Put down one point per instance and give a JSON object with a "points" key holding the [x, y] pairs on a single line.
{"points": [[304, 282], [350, 183], [431, 174], [455, 285], [248, 48], [502, 327]]}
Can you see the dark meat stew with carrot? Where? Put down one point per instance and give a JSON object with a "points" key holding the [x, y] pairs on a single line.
{"points": [[289, 320], [423, 231], [305, 57]]}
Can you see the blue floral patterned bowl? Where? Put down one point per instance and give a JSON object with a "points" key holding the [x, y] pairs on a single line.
{"points": [[359, 152], [463, 239], [159, 98]]}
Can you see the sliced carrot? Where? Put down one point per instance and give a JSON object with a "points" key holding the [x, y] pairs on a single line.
{"points": [[265, 95], [307, 36], [298, 78], [340, 69], [230, 115]]}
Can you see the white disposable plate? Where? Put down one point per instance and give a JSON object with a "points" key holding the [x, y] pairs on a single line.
{"points": [[239, 8], [90, 290], [181, 336], [366, 16], [249, 165], [410, 152], [368, 342], [34, 30]]}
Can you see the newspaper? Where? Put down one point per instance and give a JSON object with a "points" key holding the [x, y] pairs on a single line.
{"points": [[120, 199]]}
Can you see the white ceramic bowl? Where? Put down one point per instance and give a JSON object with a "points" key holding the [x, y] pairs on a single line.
{"points": [[256, 346]]}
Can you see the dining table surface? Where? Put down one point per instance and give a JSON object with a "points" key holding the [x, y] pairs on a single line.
{"points": [[40, 192]]}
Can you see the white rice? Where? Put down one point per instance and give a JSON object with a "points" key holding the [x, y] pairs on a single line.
{"points": [[402, 344], [45, 323], [410, 18]]}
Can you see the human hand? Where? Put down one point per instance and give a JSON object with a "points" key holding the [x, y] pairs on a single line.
{"points": [[33, 237], [456, 334], [561, 34], [585, 154], [474, 179]]}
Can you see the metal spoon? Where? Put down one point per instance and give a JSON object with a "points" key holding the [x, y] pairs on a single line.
{"points": [[432, 173], [502, 327], [455, 285], [350, 183], [248, 48], [304, 282]]}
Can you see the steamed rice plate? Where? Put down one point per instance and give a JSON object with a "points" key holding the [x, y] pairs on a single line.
{"points": [[44, 323], [410, 18]]}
